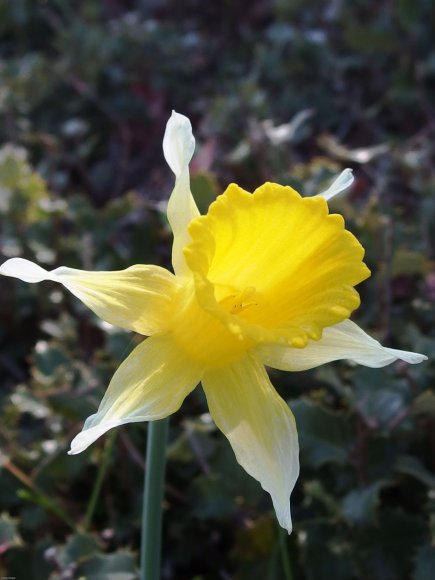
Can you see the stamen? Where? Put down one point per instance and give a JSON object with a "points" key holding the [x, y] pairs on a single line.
{"points": [[237, 303]]}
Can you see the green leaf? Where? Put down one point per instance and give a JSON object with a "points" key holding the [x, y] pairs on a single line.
{"points": [[29, 562], [193, 444], [46, 502], [408, 11], [424, 404], [326, 555], [324, 436], [49, 358], [323, 500], [119, 566], [211, 497], [8, 532], [240, 484], [424, 563], [379, 397], [77, 548], [408, 263], [359, 507], [387, 547], [26, 402], [21, 190], [12, 163], [119, 344], [413, 466]]}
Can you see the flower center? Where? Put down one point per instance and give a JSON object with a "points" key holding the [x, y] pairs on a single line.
{"points": [[238, 302], [205, 338]]}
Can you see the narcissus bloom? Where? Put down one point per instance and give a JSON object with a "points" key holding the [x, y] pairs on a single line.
{"points": [[265, 278]]}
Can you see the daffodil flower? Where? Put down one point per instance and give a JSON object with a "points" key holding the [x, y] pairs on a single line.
{"points": [[265, 278]]}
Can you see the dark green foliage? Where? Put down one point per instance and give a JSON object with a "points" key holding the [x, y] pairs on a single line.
{"points": [[283, 91]]}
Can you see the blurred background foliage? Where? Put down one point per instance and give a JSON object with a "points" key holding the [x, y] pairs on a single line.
{"points": [[287, 91]]}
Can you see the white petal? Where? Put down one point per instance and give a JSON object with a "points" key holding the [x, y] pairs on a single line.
{"points": [[150, 384], [342, 182], [178, 143], [260, 427], [345, 340], [178, 147], [24, 270], [139, 298]]}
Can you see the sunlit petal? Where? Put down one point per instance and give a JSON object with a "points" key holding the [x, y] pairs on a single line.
{"points": [[25, 270], [139, 298], [275, 266], [260, 427], [178, 148], [150, 384], [342, 182], [342, 341]]}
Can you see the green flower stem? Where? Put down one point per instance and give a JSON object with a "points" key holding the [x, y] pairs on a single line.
{"points": [[153, 499], [104, 464]]}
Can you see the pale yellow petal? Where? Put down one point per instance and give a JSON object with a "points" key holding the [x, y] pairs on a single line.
{"points": [[178, 148], [345, 340], [260, 427], [140, 298], [150, 384]]}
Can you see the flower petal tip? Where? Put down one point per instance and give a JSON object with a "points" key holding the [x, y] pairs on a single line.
{"points": [[342, 182], [412, 358], [287, 526], [24, 270], [178, 143], [284, 516], [89, 434], [79, 444], [92, 430]]}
